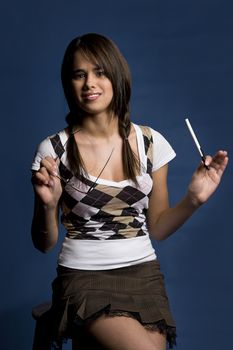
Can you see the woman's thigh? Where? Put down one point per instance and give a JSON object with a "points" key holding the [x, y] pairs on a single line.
{"points": [[124, 333], [159, 339]]}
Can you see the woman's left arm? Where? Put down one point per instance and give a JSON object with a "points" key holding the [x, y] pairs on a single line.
{"points": [[163, 220]]}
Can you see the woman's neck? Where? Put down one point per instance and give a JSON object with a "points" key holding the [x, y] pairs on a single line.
{"points": [[100, 126]]}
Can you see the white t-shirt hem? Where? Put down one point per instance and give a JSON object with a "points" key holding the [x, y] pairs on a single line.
{"points": [[106, 254]]}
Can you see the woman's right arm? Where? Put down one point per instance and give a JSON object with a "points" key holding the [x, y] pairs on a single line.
{"points": [[48, 190]]}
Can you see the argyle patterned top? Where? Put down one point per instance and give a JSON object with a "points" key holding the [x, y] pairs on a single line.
{"points": [[99, 210], [105, 209], [93, 210]]}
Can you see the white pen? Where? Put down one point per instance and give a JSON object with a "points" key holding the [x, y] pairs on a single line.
{"points": [[200, 150]]}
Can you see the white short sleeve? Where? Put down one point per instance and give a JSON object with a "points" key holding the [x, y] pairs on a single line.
{"points": [[162, 150], [44, 149]]}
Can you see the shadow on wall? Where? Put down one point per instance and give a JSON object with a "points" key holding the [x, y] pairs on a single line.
{"points": [[17, 328]]}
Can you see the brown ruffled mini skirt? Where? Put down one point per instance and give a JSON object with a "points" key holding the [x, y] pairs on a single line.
{"points": [[80, 296]]}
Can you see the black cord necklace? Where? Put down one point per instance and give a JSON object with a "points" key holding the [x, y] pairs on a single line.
{"points": [[71, 184]]}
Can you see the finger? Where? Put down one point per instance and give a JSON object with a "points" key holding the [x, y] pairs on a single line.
{"points": [[219, 159], [42, 178], [46, 175], [53, 161], [220, 156], [50, 165], [52, 176], [218, 162], [203, 166], [208, 160], [38, 178]]}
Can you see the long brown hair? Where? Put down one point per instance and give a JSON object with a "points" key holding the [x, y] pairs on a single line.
{"points": [[102, 51]]}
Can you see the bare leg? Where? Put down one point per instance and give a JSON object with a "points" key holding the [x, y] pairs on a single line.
{"points": [[158, 339], [125, 333]]}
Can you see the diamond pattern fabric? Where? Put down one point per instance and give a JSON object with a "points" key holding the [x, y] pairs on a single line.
{"points": [[106, 211]]}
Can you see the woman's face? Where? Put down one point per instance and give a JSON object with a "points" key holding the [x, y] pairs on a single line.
{"points": [[92, 89]]}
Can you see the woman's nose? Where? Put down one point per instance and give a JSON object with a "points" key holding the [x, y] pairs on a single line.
{"points": [[90, 82]]}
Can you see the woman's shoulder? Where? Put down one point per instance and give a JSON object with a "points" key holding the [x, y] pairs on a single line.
{"points": [[148, 131], [61, 134], [162, 151], [46, 147]]}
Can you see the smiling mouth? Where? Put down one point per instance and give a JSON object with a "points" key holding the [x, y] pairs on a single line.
{"points": [[91, 97]]}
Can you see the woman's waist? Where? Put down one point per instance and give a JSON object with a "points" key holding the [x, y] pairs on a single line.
{"points": [[105, 254]]}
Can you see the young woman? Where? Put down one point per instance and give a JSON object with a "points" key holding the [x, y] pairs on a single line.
{"points": [[109, 177]]}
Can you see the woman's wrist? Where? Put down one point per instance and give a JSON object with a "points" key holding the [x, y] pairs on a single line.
{"points": [[46, 206], [192, 201], [50, 207]]}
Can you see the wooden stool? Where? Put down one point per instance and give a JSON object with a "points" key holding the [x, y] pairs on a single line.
{"points": [[42, 336], [43, 339]]}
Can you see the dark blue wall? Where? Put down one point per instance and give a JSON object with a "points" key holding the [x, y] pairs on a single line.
{"points": [[181, 56]]}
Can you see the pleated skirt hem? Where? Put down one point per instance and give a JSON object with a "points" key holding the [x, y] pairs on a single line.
{"points": [[79, 297]]}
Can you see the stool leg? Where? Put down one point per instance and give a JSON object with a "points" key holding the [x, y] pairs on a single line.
{"points": [[42, 339], [42, 336]]}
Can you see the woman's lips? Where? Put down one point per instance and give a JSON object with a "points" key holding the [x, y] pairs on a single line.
{"points": [[91, 97]]}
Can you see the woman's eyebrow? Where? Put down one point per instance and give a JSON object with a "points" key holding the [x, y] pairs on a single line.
{"points": [[96, 67], [78, 70]]}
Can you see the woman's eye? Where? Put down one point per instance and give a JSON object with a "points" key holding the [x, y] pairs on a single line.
{"points": [[100, 73], [78, 75]]}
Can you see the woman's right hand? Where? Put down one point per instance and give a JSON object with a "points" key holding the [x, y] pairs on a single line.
{"points": [[46, 182]]}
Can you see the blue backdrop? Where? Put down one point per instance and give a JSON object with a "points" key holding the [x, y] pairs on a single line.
{"points": [[181, 54]]}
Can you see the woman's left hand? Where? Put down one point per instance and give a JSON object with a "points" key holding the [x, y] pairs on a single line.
{"points": [[205, 181]]}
